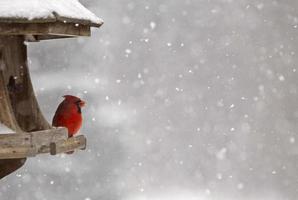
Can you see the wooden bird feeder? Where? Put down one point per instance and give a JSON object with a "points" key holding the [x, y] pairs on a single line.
{"points": [[26, 21]]}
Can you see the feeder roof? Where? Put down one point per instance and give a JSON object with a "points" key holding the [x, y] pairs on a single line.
{"points": [[43, 11]]}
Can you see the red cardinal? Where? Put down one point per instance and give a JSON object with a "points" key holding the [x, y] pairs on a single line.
{"points": [[69, 114]]}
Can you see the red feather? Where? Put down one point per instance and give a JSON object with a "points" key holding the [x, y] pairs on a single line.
{"points": [[68, 114]]}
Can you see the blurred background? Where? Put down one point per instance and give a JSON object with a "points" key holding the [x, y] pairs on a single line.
{"points": [[186, 100]]}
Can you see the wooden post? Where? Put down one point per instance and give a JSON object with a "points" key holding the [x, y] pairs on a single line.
{"points": [[19, 109]]}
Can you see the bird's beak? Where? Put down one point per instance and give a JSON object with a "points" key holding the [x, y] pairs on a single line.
{"points": [[82, 103]]}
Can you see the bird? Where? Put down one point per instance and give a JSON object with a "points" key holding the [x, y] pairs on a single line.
{"points": [[69, 114]]}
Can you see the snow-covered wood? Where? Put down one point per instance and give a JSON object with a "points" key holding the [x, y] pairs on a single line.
{"points": [[38, 138], [53, 141], [43, 31], [20, 112], [42, 11], [32, 20]]}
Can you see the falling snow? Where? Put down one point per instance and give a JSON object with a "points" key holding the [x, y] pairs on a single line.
{"points": [[186, 100]]}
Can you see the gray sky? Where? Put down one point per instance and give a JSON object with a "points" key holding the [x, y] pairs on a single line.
{"points": [[187, 100]]}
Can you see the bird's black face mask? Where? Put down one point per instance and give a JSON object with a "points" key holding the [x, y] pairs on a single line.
{"points": [[78, 106]]}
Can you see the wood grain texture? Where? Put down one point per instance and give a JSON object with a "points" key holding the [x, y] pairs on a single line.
{"points": [[19, 107], [38, 138], [49, 19], [23, 151], [45, 30], [62, 146], [29, 145], [18, 92]]}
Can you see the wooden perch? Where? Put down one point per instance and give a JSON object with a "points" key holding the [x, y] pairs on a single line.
{"points": [[52, 141], [19, 109], [68, 145]]}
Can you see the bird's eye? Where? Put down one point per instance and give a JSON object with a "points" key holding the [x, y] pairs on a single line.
{"points": [[80, 103]]}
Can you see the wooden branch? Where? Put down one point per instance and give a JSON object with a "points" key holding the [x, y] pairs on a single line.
{"points": [[54, 141]]}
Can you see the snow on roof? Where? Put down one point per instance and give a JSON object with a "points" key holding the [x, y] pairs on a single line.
{"points": [[22, 11]]}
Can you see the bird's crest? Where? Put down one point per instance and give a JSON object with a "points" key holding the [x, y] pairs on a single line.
{"points": [[71, 97], [79, 102]]}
